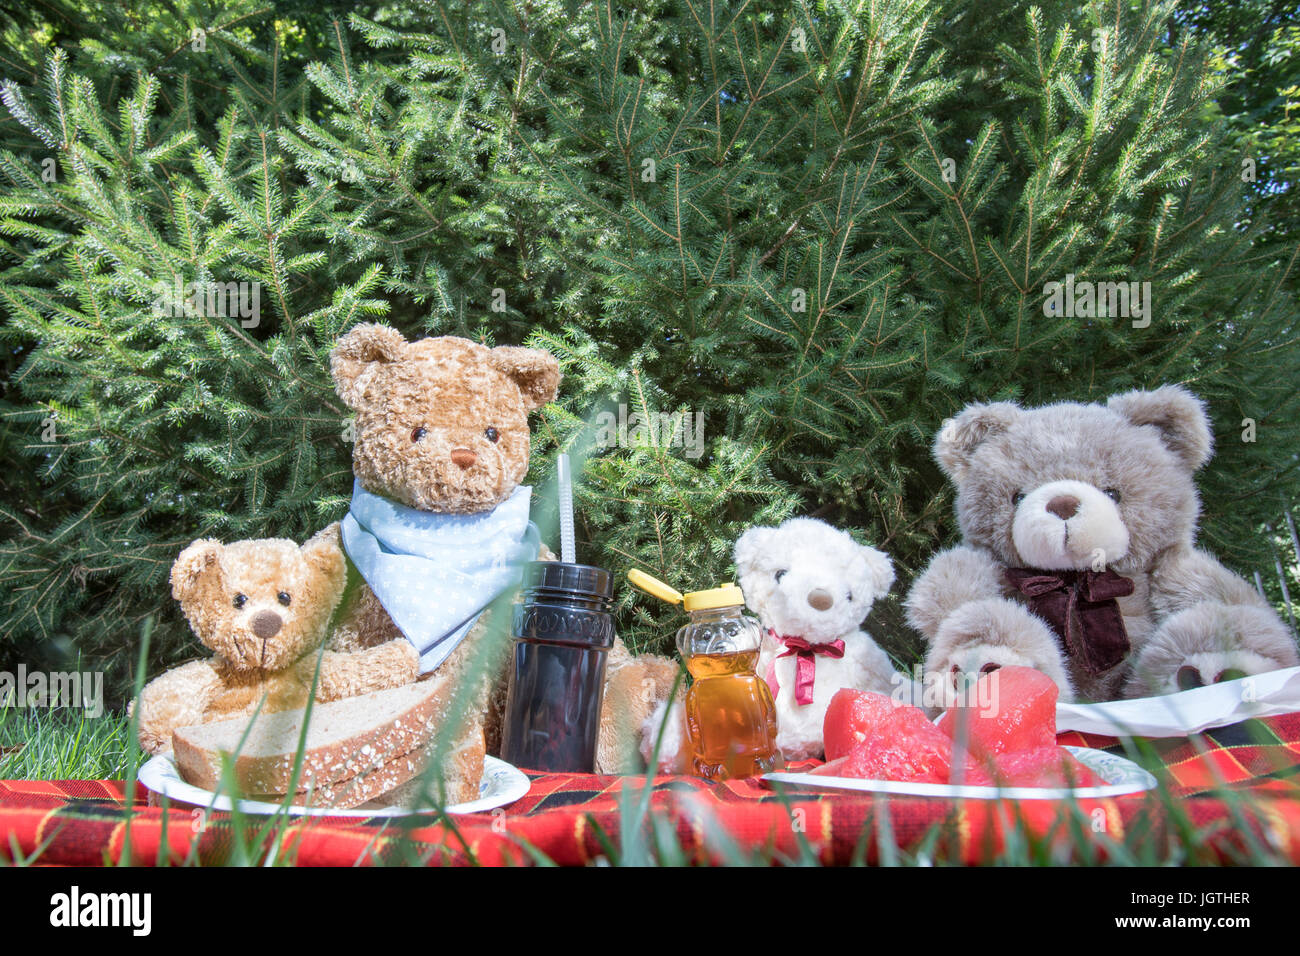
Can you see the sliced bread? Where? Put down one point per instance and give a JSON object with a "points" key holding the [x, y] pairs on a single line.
{"points": [[350, 793], [462, 771], [400, 782], [346, 739]]}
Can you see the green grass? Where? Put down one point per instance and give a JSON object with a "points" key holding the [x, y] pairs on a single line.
{"points": [[39, 744]]}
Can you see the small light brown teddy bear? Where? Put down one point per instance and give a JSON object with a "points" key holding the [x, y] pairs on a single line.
{"points": [[264, 608], [1079, 554], [442, 430]]}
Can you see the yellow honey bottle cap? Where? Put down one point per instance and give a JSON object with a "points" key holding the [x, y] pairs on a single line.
{"points": [[652, 585], [726, 595]]}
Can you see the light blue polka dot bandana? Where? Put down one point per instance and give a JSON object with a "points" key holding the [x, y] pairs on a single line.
{"points": [[436, 573]]}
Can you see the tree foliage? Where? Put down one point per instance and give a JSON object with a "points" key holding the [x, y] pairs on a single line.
{"points": [[817, 229]]}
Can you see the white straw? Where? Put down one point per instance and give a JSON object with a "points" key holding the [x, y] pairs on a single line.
{"points": [[566, 510]]}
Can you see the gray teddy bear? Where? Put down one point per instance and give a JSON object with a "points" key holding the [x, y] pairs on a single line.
{"points": [[1078, 556]]}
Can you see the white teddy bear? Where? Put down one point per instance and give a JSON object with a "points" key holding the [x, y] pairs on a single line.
{"points": [[811, 587]]}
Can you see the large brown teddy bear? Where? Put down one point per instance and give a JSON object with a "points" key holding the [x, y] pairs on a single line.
{"points": [[442, 443], [263, 608], [1078, 555]]}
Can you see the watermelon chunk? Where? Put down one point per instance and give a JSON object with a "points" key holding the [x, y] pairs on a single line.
{"points": [[832, 768], [1020, 713], [912, 760], [1044, 767], [975, 774], [875, 737], [1011, 734], [853, 716], [884, 763]]}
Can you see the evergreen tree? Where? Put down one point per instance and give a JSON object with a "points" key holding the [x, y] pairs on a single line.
{"points": [[1257, 43], [816, 229]]}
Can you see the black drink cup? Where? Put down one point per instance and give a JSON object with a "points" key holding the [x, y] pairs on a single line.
{"points": [[562, 635]]}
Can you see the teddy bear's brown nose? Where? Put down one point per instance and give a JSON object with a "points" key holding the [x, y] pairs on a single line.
{"points": [[266, 624], [1064, 506], [820, 599], [463, 457]]}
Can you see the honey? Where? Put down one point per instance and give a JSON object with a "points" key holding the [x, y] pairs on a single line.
{"points": [[730, 716]]}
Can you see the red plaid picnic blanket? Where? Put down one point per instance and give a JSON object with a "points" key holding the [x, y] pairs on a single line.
{"points": [[1236, 787]]}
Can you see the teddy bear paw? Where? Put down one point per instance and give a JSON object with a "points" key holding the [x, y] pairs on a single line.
{"points": [[1210, 643], [1203, 669], [982, 636], [1216, 668], [155, 743], [668, 720]]}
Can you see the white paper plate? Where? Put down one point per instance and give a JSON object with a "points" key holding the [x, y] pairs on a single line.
{"points": [[1189, 711], [502, 784], [1122, 776]]}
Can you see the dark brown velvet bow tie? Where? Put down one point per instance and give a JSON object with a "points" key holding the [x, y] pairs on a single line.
{"points": [[1082, 608]]}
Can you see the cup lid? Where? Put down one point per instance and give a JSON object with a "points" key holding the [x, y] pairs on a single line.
{"points": [[577, 578]]}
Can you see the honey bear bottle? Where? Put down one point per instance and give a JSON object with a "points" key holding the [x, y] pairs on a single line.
{"points": [[730, 714]]}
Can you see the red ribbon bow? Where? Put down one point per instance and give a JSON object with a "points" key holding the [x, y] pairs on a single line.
{"points": [[806, 668], [1082, 608]]}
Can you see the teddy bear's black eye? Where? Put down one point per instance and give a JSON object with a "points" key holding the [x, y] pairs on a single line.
{"points": [[418, 434], [240, 600], [283, 598], [1113, 493], [1018, 497], [492, 435], [779, 575]]}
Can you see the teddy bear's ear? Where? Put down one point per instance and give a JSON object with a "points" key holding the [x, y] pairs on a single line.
{"points": [[323, 553], [355, 355], [1177, 414], [536, 372], [961, 436], [198, 564], [749, 549], [880, 570]]}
